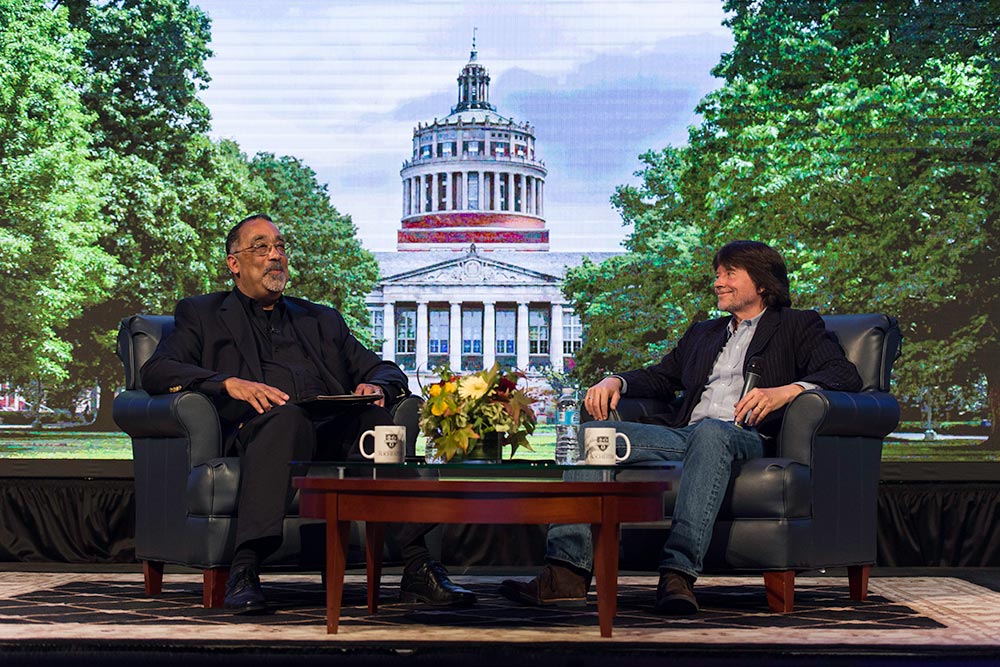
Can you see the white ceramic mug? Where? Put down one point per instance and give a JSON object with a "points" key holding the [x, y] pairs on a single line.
{"points": [[600, 445], [389, 444]]}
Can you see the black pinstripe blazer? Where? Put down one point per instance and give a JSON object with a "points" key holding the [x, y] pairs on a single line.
{"points": [[793, 346]]}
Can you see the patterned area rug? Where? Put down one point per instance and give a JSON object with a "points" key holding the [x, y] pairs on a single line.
{"points": [[112, 608]]}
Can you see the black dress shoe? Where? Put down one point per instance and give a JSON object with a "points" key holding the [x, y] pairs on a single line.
{"points": [[430, 584], [675, 594], [243, 594]]}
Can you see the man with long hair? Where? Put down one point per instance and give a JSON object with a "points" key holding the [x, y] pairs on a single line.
{"points": [[710, 425]]}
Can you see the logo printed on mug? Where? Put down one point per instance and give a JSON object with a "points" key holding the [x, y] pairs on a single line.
{"points": [[599, 446], [385, 441]]}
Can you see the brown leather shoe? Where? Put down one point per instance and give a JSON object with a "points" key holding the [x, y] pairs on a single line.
{"points": [[555, 586], [675, 594]]}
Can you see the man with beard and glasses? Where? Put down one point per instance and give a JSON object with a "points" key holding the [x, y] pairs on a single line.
{"points": [[711, 426], [257, 353]]}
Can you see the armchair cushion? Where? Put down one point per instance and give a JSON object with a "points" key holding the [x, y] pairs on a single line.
{"points": [[212, 487], [871, 341], [138, 337]]}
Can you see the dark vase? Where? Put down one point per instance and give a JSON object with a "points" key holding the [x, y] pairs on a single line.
{"points": [[487, 449]]}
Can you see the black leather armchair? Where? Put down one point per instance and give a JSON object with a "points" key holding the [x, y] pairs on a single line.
{"points": [[186, 486], [810, 502]]}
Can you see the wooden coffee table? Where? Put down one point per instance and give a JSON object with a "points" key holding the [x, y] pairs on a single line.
{"points": [[604, 505]]}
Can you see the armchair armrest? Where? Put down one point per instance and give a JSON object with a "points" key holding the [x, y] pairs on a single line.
{"points": [[189, 415], [870, 414], [407, 413], [631, 409]]}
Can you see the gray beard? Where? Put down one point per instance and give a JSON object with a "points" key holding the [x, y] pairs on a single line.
{"points": [[275, 282]]}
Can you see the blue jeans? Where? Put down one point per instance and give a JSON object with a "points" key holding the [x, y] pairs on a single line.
{"points": [[708, 450]]}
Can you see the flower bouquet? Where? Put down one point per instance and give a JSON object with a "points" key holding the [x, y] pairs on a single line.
{"points": [[461, 412]]}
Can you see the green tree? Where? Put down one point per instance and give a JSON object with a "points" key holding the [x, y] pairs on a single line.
{"points": [[863, 140], [122, 78], [170, 194], [329, 265], [51, 264], [169, 230], [146, 61]]}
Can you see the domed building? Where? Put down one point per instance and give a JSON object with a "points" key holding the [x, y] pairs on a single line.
{"points": [[473, 281], [473, 177]]}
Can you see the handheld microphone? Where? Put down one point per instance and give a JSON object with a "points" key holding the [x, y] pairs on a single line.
{"points": [[750, 380]]}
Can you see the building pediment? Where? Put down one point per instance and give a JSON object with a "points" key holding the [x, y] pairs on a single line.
{"points": [[471, 269]]}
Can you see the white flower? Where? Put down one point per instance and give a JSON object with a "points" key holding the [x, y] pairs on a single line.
{"points": [[472, 386]]}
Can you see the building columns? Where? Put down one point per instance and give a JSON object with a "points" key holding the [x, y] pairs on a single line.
{"points": [[556, 338], [489, 334], [422, 330], [522, 337], [389, 331], [455, 336]]}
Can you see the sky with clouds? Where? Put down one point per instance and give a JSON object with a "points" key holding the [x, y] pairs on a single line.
{"points": [[341, 84]]}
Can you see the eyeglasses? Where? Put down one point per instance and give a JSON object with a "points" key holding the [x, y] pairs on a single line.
{"points": [[261, 249]]}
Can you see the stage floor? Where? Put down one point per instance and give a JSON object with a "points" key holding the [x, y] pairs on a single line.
{"points": [[102, 614]]}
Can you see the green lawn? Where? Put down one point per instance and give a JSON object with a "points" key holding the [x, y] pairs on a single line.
{"points": [[958, 449], [54, 444]]}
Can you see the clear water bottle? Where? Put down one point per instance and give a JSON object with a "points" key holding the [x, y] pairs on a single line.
{"points": [[567, 422]]}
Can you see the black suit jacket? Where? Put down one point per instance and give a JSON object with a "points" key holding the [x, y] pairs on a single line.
{"points": [[213, 339], [793, 346]]}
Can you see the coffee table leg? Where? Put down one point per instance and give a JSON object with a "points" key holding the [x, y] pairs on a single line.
{"points": [[337, 539], [374, 534], [606, 564]]}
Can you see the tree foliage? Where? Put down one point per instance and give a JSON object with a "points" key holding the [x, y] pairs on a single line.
{"points": [[51, 264], [115, 201], [863, 140], [164, 201], [146, 63]]}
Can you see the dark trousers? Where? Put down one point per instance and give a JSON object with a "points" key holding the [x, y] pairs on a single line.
{"points": [[269, 442]]}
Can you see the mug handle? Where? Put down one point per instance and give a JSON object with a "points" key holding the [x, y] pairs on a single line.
{"points": [[628, 447], [361, 444]]}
